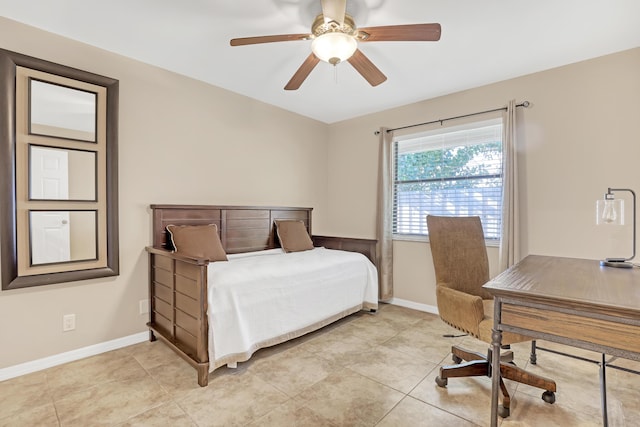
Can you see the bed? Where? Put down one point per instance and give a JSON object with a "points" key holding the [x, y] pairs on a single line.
{"points": [[192, 300]]}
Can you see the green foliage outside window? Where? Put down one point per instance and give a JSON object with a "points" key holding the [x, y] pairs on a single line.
{"points": [[455, 162]]}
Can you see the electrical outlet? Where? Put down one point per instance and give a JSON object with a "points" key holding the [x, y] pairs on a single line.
{"points": [[68, 322], [144, 306]]}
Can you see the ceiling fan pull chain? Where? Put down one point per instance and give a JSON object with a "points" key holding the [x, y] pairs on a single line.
{"points": [[335, 74]]}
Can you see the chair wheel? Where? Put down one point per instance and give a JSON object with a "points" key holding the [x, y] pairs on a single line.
{"points": [[442, 382], [456, 359], [549, 397], [503, 412]]}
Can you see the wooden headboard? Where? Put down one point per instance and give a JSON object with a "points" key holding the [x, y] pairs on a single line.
{"points": [[241, 228]]}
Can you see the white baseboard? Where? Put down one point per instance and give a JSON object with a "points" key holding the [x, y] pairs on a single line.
{"points": [[414, 305], [70, 356], [92, 350]]}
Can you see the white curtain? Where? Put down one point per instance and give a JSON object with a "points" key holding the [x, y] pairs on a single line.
{"points": [[385, 216], [510, 240]]}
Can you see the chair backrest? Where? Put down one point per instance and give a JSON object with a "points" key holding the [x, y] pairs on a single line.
{"points": [[459, 253]]}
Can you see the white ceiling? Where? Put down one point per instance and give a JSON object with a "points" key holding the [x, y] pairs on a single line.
{"points": [[483, 41]]}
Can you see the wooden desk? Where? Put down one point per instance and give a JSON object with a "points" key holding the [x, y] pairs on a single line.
{"points": [[568, 301]]}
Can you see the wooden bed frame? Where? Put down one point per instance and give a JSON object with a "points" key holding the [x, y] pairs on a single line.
{"points": [[178, 284]]}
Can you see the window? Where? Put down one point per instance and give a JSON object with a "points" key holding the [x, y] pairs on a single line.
{"points": [[455, 171]]}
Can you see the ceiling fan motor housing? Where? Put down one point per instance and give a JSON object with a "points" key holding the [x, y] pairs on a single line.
{"points": [[333, 42]]}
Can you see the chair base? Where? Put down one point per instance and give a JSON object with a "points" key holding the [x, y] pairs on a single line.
{"points": [[476, 364]]}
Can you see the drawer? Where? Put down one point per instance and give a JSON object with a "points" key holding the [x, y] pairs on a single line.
{"points": [[579, 326]]}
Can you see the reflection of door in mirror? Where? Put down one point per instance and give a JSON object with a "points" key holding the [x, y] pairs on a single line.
{"points": [[61, 174], [50, 238], [62, 236], [49, 174]]}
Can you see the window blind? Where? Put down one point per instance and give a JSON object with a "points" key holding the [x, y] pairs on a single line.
{"points": [[455, 171]]}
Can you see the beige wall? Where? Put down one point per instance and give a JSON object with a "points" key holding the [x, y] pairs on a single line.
{"points": [[180, 141], [580, 136]]}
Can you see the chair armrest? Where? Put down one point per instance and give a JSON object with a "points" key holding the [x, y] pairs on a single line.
{"points": [[460, 310]]}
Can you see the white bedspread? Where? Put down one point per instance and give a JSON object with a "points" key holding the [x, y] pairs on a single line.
{"points": [[258, 297]]}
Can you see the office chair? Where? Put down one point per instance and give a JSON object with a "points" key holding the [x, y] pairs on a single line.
{"points": [[462, 267]]}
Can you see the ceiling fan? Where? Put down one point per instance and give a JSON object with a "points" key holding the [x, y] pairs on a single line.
{"points": [[335, 39]]}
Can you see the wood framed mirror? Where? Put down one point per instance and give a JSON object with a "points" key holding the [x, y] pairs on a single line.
{"points": [[59, 174]]}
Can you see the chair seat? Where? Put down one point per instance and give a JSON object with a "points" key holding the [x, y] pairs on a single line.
{"points": [[486, 325]]}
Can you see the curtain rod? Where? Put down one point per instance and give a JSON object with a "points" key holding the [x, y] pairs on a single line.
{"points": [[524, 104]]}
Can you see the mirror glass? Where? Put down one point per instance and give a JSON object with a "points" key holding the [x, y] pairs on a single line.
{"points": [[62, 236], [61, 174], [62, 112]]}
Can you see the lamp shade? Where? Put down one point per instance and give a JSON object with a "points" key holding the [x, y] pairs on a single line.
{"points": [[334, 47], [610, 212]]}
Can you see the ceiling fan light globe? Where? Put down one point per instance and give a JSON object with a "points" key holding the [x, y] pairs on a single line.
{"points": [[334, 47]]}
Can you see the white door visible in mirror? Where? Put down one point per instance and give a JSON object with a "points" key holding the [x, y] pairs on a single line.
{"points": [[62, 236], [61, 174], [62, 112], [50, 241]]}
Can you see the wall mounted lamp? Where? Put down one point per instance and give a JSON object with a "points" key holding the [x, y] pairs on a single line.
{"points": [[610, 211]]}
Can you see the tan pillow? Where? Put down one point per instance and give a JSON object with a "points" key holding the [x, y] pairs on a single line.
{"points": [[293, 236], [197, 241]]}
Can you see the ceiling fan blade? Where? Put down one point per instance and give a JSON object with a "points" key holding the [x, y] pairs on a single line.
{"points": [[391, 33], [334, 10], [365, 67], [303, 72], [268, 39]]}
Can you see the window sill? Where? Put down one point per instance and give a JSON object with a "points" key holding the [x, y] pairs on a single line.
{"points": [[425, 239]]}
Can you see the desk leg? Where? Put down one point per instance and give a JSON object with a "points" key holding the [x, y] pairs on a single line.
{"points": [[603, 390], [496, 341]]}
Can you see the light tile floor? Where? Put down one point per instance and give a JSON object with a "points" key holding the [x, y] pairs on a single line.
{"points": [[365, 370]]}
